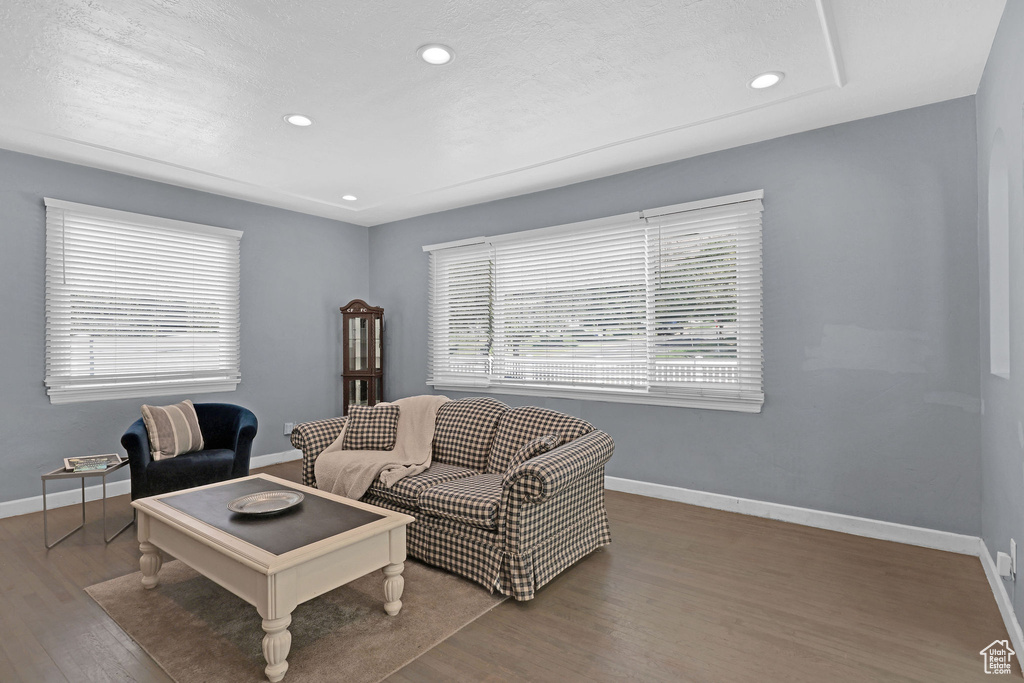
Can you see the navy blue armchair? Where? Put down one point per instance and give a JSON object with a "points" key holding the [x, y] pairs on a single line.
{"points": [[228, 431]]}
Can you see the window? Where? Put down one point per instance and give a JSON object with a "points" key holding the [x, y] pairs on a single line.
{"points": [[661, 306], [138, 306]]}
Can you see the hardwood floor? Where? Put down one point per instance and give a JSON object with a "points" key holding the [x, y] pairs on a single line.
{"points": [[682, 594]]}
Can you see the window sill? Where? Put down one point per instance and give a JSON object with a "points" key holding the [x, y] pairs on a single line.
{"points": [[108, 393], [704, 402]]}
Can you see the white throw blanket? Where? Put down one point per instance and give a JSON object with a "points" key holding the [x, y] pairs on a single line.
{"points": [[350, 473]]}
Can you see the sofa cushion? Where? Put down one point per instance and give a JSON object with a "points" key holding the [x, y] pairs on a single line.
{"points": [[197, 468], [473, 500], [464, 431], [407, 490], [172, 430], [519, 426], [371, 428]]}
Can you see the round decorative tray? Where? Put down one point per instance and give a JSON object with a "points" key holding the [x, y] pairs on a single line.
{"points": [[265, 502]]}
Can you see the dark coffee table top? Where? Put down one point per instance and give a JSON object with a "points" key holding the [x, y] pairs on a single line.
{"points": [[312, 520]]}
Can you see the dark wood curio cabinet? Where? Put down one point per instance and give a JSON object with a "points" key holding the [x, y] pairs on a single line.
{"points": [[362, 338]]}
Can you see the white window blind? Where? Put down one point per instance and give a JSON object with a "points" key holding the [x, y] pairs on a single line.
{"points": [[706, 322], [460, 301], [138, 305], [661, 306], [570, 309]]}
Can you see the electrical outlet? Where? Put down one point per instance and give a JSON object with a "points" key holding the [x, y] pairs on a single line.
{"points": [[288, 427], [1013, 559], [1002, 564]]}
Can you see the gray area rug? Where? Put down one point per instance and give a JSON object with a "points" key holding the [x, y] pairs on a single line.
{"points": [[197, 631]]}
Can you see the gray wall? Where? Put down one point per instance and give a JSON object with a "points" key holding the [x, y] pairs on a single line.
{"points": [[999, 102], [296, 271], [871, 309]]}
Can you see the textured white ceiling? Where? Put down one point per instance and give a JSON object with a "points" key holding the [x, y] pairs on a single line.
{"points": [[540, 94]]}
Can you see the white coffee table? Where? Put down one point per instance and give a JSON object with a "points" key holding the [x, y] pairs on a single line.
{"points": [[273, 562]]}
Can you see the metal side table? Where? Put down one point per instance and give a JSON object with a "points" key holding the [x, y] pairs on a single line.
{"points": [[61, 473]]}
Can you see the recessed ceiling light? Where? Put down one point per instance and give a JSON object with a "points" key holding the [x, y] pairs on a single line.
{"points": [[349, 198], [298, 120], [767, 80], [436, 54]]}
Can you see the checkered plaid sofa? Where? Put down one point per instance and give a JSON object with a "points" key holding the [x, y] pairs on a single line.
{"points": [[480, 511]]}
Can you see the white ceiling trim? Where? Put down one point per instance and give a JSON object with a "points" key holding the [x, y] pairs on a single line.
{"points": [[636, 138], [828, 28], [287, 200]]}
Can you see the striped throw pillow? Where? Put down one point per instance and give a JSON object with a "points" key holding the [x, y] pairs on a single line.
{"points": [[173, 430]]}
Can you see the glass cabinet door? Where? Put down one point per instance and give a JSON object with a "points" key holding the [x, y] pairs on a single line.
{"points": [[377, 338], [358, 392], [358, 343]]}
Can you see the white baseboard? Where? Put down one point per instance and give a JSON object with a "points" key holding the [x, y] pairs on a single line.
{"points": [[1002, 599], [275, 458], [848, 524], [56, 499]]}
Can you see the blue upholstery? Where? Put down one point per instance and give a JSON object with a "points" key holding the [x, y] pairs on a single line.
{"points": [[228, 431]]}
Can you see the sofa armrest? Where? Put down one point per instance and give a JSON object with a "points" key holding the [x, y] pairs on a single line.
{"points": [[539, 478], [226, 425], [136, 442], [246, 425], [312, 438]]}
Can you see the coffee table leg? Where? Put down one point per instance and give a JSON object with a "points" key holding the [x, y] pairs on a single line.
{"points": [[394, 584], [150, 563], [276, 645]]}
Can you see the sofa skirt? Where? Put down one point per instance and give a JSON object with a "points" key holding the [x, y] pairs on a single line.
{"points": [[478, 554]]}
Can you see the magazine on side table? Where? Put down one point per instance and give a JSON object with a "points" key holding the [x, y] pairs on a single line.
{"points": [[91, 463]]}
